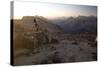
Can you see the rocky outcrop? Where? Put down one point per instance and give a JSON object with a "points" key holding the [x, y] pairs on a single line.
{"points": [[41, 36], [34, 31]]}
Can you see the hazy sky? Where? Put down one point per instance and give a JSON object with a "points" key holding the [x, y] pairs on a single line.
{"points": [[52, 10]]}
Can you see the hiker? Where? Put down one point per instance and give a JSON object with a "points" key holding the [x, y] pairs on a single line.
{"points": [[36, 25]]}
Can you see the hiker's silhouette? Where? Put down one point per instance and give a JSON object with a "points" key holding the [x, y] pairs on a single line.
{"points": [[35, 24]]}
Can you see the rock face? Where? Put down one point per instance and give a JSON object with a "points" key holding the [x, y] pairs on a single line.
{"points": [[36, 30], [43, 23], [41, 35]]}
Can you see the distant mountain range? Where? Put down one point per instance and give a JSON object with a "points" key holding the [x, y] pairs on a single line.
{"points": [[77, 24], [62, 24]]}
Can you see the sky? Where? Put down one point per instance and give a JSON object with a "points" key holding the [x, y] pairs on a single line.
{"points": [[52, 10]]}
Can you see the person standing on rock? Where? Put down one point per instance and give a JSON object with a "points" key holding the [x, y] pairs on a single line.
{"points": [[35, 34], [35, 25]]}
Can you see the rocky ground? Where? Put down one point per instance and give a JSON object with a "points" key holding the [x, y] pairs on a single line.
{"points": [[69, 48]]}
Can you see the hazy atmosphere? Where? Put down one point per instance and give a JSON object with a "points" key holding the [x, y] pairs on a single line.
{"points": [[52, 10]]}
